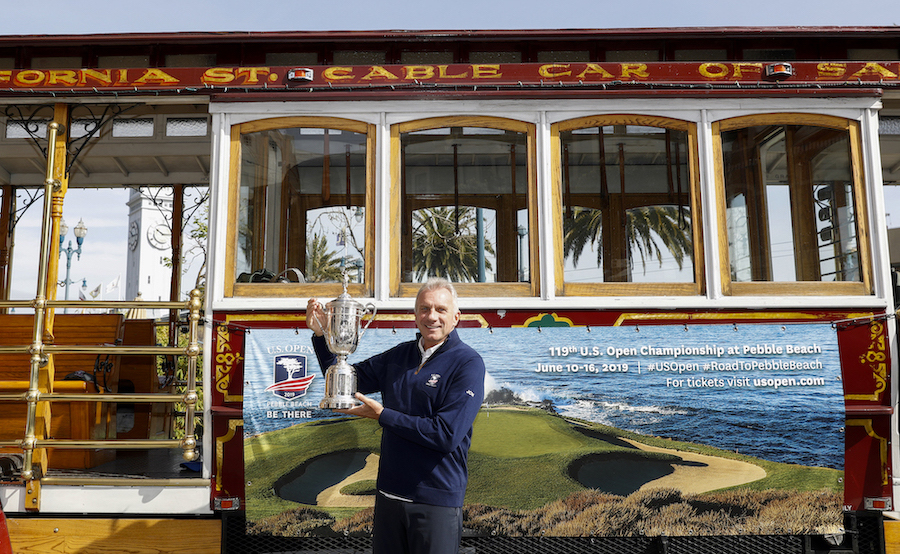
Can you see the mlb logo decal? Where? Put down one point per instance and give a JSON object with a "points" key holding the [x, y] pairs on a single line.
{"points": [[290, 376]]}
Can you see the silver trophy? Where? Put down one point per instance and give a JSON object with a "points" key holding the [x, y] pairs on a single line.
{"points": [[343, 329]]}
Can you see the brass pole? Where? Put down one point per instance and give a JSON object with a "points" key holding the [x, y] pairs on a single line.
{"points": [[7, 206], [37, 344], [189, 444]]}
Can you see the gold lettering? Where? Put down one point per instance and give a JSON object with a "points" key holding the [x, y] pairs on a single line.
{"points": [[102, 77], [486, 71], [218, 75], [872, 68], [62, 76], [442, 73], [378, 72], [635, 69], [5, 76], [29, 78], [550, 70], [337, 73], [713, 70], [157, 76], [739, 69], [252, 74], [595, 69], [419, 72], [122, 77], [831, 70]]}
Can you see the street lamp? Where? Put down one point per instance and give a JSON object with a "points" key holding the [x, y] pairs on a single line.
{"points": [[521, 231], [80, 232]]}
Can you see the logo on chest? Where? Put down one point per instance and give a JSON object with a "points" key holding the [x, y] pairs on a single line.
{"points": [[433, 380]]}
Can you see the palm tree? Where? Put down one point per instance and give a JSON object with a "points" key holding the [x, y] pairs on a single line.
{"points": [[645, 227], [322, 264], [443, 248]]}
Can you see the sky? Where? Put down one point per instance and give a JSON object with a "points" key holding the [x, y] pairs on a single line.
{"points": [[104, 251], [128, 16], [102, 262]]}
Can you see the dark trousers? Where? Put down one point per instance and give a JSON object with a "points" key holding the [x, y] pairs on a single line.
{"points": [[411, 528]]}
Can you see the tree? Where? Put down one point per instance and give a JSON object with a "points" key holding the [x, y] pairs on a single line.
{"points": [[441, 248], [322, 264], [194, 249], [645, 227]]}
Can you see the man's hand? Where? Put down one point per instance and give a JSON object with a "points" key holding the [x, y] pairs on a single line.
{"points": [[369, 408], [315, 316]]}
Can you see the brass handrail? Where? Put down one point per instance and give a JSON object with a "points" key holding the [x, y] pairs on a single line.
{"points": [[88, 397], [124, 444], [116, 350], [97, 349], [121, 304], [111, 304], [122, 481], [34, 395], [17, 304]]}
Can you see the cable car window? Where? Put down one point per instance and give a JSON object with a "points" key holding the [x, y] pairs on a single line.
{"points": [[792, 205], [464, 202], [301, 211], [628, 202]]}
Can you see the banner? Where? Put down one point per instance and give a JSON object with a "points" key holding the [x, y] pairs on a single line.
{"points": [[707, 429]]}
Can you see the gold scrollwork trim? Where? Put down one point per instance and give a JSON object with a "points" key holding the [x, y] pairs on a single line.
{"points": [[482, 322], [875, 359], [233, 424], [236, 318], [866, 424], [543, 315], [625, 318]]}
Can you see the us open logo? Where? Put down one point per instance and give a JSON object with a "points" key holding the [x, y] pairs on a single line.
{"points": [[290, 376]]}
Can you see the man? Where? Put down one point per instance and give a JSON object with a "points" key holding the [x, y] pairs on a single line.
{"points": [[432, 389]]}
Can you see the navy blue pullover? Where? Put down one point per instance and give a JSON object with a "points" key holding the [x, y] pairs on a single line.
{"points": [[427, 418]]}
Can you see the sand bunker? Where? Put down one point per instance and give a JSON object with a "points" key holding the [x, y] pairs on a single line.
{"points": [[701, 473], [332, 495], [324, 476]]}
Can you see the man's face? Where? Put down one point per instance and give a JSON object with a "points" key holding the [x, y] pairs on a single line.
{"points": [[436, 316]]}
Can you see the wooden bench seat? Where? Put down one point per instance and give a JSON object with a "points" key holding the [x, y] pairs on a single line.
{"points": [[69, 420], [138, 374]]}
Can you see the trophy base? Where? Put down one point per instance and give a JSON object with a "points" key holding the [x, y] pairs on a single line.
{"points": [[338, 403], [340, 385]]}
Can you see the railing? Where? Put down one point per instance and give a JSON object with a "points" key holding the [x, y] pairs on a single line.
{"points": [[30, 442]]}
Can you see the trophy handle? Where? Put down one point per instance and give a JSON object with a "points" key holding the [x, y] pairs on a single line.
{"points": [[369, 307]]}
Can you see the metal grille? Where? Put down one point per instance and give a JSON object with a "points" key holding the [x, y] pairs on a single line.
{"points": [[864, 536], [745, 544], [868, 531], [560, 545]]}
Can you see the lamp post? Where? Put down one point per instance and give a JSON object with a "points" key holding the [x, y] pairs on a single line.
{"points": [[80, 232], [521, 231]]}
